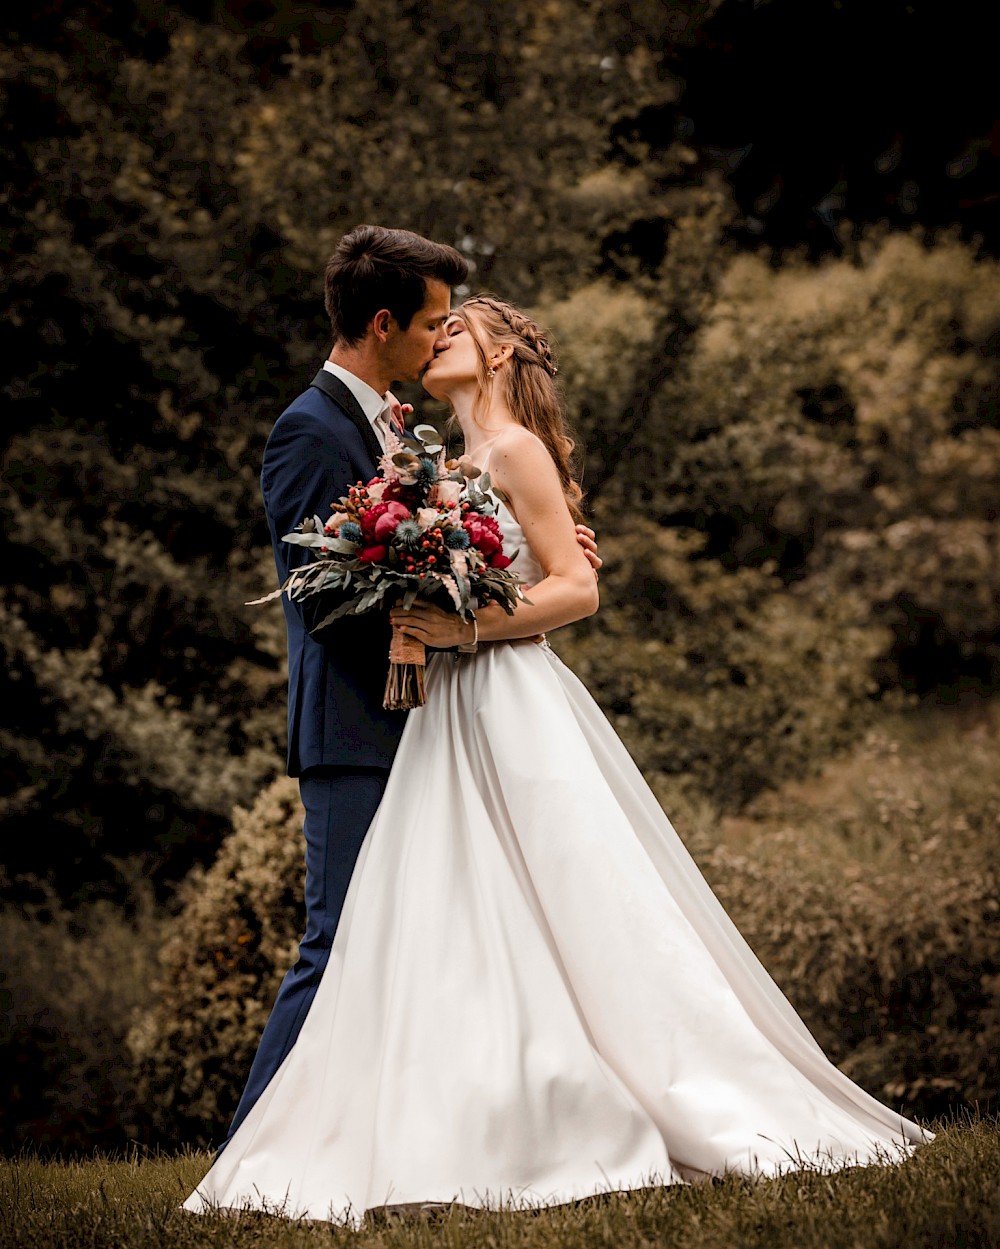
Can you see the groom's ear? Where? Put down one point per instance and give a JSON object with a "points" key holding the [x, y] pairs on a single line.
{"points": [[380, 324]]}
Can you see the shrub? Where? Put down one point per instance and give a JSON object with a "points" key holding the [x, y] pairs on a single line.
{"points": [[69, 985], [873, 897], [897, 975], [219, 970]]}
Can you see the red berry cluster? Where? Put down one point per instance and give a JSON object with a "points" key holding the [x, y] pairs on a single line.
{"points": [[431, 555]]}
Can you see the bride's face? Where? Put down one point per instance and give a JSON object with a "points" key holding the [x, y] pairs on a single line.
{"points": [[456, 364]]}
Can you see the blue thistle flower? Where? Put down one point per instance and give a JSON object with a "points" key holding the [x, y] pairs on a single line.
{"points": [[408, 533], [457, 539], [427, 473], [350, 532]]}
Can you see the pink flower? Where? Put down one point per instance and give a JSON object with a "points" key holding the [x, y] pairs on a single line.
{"points": [[449, 491], [386, 524]]}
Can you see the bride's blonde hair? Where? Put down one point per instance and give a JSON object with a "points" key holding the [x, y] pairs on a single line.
{"points": [[528, 380]]}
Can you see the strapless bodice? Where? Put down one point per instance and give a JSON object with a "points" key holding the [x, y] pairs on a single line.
{"points": [[524, 563]]}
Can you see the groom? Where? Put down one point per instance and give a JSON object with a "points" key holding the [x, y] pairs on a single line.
{"points": [[388, 295]]}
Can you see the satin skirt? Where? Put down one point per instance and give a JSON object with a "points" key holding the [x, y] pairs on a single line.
{"points": [[533, 996]]}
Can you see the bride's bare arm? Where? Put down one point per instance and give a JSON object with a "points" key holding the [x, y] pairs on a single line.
{"points": [[524, 471]]}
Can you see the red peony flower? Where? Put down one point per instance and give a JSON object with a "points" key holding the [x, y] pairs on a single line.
{"points": [[484, 533], [373, 554], [395, 491], [385, 525], [499, 560], [371, 518]]}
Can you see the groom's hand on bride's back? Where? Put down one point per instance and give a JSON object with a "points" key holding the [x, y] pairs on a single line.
{"points": [[588, 544]]}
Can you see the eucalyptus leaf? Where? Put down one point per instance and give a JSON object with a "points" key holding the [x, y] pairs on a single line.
{"points": [[370, 600], [447, 582], [255, 602], [303, 582], [338, 613]]}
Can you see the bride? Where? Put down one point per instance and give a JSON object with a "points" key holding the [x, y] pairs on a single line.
{"points": [[532, 996]]}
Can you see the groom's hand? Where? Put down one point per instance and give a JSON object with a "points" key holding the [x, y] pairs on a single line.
{"points": [[398, 410], [588, 543]]}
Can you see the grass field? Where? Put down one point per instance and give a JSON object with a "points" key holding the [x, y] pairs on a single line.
{"points": [[945, 1196]]}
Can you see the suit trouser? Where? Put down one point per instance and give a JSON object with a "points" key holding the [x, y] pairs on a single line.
{"points": [[340, 803]]}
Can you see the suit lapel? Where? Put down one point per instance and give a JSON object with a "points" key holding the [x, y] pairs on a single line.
{"points": [[335, 389]]}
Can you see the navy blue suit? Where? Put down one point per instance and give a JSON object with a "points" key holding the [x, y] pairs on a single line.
{"points": [[341, 741]]}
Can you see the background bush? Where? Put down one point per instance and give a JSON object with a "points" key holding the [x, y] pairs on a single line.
{"points": [[70, 985], [219, 970], [719, 681], [873, 896], [837, 426]]}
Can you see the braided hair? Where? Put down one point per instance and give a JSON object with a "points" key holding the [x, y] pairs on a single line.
{"points": [[527, 378]]}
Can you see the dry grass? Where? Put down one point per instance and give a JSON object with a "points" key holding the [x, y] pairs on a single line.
{"points": [[944, 1196]]}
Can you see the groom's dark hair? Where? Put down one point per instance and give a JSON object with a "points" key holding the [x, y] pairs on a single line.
{"points": [[374, 268]]}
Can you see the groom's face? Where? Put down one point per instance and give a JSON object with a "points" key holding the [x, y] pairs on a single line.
{"points": [[410, 351]]}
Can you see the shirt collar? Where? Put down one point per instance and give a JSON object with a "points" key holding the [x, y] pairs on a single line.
{"points": [[372, 403]]}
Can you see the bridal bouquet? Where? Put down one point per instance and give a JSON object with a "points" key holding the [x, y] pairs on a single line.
{"points": [[425, 527]]}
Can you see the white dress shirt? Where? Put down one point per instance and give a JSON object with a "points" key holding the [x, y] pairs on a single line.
{"points": [[374, 405]]}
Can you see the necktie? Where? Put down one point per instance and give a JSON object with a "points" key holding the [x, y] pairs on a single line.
{"points": [[382, 424]]}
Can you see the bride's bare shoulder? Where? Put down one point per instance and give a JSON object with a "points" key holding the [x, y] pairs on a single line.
{"points": [[518, 449]]}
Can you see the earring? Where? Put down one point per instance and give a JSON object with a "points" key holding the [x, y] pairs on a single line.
{"points": [[491, 373]]}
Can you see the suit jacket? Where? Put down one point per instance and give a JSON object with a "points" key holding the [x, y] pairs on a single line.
{"points": [[320, 445]]}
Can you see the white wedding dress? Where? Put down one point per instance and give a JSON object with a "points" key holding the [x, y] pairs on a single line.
{"points": [[533, 996]]}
